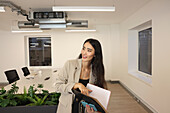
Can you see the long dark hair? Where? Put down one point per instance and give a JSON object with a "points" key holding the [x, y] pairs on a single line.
{"points": [[97, 63]]}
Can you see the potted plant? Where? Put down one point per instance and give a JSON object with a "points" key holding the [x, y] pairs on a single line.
{"points": [[35, 100]]}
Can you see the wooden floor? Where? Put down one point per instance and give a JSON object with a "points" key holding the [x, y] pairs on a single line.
{"points": [[121, 101]]}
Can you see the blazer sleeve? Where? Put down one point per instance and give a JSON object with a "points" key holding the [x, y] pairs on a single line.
{"points": [[62, 85]]}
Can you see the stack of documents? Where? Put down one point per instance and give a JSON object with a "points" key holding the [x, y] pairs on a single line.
{"points": [[102, 95]]}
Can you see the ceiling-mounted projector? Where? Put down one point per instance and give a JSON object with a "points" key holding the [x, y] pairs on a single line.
{"points": [[48, 17], [48, 20]]}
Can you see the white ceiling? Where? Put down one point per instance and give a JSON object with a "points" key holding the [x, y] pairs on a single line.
{"points": [[124, 8]]}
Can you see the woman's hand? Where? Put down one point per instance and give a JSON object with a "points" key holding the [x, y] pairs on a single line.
{"points": [[82, 88], [89, 110]]}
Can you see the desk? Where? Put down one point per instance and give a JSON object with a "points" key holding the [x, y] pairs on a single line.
{"points": [[38, 79]]}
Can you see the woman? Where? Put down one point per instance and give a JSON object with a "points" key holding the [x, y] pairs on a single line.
{"points": [[77, 73]]}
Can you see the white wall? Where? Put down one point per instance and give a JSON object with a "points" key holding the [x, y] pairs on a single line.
{"points": [[156, 94], [65, 46], [68, 45]]}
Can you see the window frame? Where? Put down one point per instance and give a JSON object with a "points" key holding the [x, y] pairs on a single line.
{"points": [[133, 51], [139, 51], [27, 51]]}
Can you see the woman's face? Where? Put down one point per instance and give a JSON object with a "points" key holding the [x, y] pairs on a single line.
{"points": [[87, 52]]}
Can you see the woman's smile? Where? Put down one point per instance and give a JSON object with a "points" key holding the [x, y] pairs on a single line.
{"points": [[84, 57]]}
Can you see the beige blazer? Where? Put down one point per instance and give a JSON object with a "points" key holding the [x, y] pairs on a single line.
{"points": [[66, 78]]}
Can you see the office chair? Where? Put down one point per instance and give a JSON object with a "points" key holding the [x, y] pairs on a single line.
{"points": [[12, 76], [25, 71], [90, 100]]}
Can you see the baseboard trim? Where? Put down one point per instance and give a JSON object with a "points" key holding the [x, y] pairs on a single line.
{"points": [[146, 106], [114, 82]]}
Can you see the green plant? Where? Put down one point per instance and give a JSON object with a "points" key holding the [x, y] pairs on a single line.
{"points": [[23, 98], [37, 101], [28, 98], [8, 98], [53, 98]]}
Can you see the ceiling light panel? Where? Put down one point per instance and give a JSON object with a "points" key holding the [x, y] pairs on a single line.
{"points": [[83, 8], [80, 30]]}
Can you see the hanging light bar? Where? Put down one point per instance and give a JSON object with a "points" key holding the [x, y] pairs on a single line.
{"points": [[26, 31], [80, 30], [83, 8]]}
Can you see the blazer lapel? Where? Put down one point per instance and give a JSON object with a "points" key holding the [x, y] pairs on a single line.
{"points": [[77, 70], [91, 76]]}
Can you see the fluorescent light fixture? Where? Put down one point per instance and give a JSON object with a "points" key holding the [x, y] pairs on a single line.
{"points": [[83, 8], [26, 31], [80, 30], [2, 9], [46, 26]]}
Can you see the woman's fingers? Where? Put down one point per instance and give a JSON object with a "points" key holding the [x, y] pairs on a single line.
{"points": [[89, 110], [82, 88], [89, 90], [86, 91], [92, 109]]}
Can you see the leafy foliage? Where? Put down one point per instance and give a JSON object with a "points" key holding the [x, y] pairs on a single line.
{"points": [[28, 98], [14, 89]]}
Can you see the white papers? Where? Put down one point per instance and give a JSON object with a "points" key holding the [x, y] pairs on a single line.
{"points": [[30, 76], [102, 95]]}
